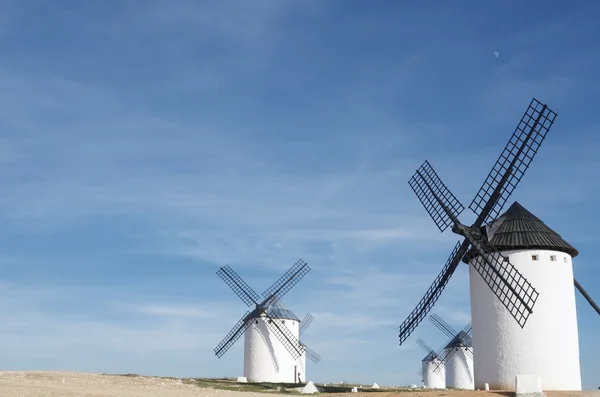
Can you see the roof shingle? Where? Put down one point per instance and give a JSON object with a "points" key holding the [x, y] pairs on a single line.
{"points": [[518, 228]]}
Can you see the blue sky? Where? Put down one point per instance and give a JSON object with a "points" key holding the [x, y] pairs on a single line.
{"points": [[144, 144]]}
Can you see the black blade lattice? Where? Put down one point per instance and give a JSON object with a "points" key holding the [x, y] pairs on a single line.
{"points": [[239, 286], [312, 355], [305, 323], [232, 336], [442, 325], [446, 354], [506, 282], [285, 337], [513, 162], [427, 184], [434, 292], [425, 346], [286, 282], [467, 330]]}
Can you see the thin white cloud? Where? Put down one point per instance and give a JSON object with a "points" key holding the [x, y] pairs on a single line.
{"points": [[178, 311]]}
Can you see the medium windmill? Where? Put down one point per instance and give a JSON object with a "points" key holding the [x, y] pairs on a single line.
{"points": [[432, 373], [272, 351], [493, 276], [457, 357]]}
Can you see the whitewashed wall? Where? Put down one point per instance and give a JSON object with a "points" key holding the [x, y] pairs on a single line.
{"points": [[265, 358], [431, 378], [548, 346], [459, 369]]}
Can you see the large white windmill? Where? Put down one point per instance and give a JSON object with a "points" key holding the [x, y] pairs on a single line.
{"points": [[541, 255], [272, 349], [498, 283]]}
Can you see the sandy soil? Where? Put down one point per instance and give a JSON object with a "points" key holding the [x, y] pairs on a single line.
{"points": [[68, 384]]}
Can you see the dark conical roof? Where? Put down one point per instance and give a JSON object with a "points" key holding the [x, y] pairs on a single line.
{"points": [[429, 357], [518, 228], [462, 339], [276, 310]]}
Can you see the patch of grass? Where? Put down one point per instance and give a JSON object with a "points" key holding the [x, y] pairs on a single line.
{"points": [[230, 384], [279, 388]]}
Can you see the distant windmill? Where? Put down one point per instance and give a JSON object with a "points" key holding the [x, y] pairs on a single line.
{"points": [[457, 357], [432, 372], [272, 351], [498, 273]]}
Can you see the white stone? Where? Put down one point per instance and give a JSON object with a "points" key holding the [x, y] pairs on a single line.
{"points": [[528, 385], [309, 388], [266, 359], [354, 390], [375, 386], [242, 379], [486, 386], [431, 378], [550, 332], [459, 369]]}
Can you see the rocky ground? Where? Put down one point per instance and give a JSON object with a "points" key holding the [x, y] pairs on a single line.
{"points": [[68, 384]]}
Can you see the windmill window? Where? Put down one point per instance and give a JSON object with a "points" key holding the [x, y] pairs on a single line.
{"points": [[256, 322], [565, 259], [552, 258], [535, 257]]}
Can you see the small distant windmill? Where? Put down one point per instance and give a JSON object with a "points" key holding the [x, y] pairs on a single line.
{"points": [[457, 357], [433, 375], [272, 350], [499, 272]]}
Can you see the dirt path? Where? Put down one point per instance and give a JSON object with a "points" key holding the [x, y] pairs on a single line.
{"points": [[69, 384]]}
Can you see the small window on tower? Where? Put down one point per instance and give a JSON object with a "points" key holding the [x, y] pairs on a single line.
{"points": [[565, 259], [552, 258], [256, 322], [535, 257]]}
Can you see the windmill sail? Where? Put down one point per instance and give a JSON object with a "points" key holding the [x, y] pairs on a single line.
{"points": [[506, 282]]}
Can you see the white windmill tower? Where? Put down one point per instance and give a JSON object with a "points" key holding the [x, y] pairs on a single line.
{"points": [[541, 255], [272, 350], [457, 357], [494, 273], [432, 368]]}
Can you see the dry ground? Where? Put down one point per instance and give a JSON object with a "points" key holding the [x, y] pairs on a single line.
{"points": [[68, 384]]}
